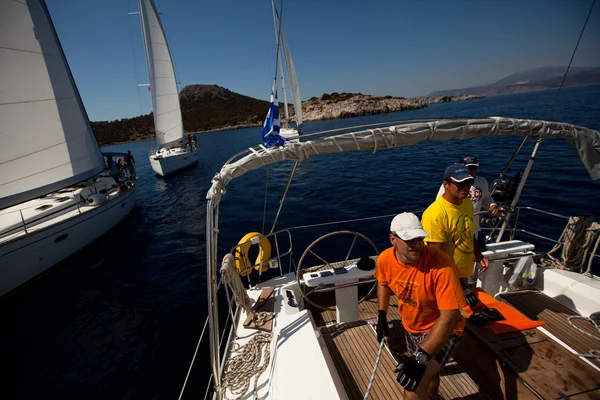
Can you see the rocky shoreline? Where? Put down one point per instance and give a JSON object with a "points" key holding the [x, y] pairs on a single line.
{"points": [[347, 105], [210, 108]]}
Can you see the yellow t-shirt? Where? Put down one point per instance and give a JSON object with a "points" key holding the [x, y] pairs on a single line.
{"points": [[452, 226]]}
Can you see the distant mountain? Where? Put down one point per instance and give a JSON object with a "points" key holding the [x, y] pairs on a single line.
{"points": [[203, 108], [532, 79]]}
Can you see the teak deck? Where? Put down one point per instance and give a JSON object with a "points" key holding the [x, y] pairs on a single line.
{"points": [[520, 365], [537, 305]]}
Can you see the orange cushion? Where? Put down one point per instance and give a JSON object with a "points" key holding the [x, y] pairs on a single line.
{"points": [[515, 321]]}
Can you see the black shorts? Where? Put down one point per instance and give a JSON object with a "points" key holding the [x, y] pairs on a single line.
{"points": [[413, 342]]}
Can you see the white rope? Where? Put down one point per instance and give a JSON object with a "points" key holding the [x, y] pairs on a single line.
{"points": [[241, 367], [593, 353], [374, 369], [592, 255], [245, 362], [231, 277]]}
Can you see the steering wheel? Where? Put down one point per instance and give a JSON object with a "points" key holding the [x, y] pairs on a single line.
{"points": [[309, 250]]}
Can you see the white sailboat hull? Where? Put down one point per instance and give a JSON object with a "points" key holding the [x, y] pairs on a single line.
{"points": [[290, 134], [27, 256], [167, 162]]}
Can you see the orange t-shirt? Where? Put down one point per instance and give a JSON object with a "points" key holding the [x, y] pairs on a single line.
{"points": [[422, 289]]}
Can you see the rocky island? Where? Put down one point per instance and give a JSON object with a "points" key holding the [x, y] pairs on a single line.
{"points": [[211, 107], [347, 105]]}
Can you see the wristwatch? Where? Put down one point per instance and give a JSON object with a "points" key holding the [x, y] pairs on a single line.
{"points": [[422, 356]]}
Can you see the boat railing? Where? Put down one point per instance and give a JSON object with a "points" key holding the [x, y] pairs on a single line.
{"points": [[228, 328], [218, 331], [590, 253], [13, 222]]}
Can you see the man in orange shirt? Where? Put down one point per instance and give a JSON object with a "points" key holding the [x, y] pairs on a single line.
{"points": [[429, 295]]}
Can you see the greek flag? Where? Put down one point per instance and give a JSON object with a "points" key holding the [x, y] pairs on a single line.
{"points": [[271, 126]]}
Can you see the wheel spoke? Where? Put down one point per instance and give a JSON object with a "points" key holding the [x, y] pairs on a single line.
{"points": [[350, 250], [319, 257], [304, 290]]}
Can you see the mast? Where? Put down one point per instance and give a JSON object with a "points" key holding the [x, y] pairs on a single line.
{"points": [[284, 123]]}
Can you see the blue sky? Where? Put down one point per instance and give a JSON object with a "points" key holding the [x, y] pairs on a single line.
{"points": [[379, 47]]}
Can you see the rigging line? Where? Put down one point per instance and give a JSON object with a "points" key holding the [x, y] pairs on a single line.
{"points": [[279, 39], [135, 68], [345, 221], [557, 93], [265, 202], [283, 198], [538, 142], [193, 359], [571, 61]]}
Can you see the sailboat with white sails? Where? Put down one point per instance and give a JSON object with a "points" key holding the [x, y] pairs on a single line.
{"points": [[54, 197], [286, 130], [174, 152]]}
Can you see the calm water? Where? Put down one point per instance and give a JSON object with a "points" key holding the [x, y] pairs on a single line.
{"points": [[120, 319]]}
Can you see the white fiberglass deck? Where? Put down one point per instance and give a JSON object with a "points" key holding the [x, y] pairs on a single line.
{"points": [[295, 347], [41, 213]]}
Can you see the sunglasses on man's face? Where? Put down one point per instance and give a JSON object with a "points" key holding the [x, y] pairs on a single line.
{"points": [[462, 185], [411, 241]]}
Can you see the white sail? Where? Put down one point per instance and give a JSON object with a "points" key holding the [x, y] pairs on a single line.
{"points": [[290, 70], [292, 80], [47, 141], [168, 123]]}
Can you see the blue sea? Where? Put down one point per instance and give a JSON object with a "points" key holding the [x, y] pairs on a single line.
{"points": [[120, 319]]}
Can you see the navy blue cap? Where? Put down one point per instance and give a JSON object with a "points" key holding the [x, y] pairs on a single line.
{"points": [[469, 161], [457, 172]]}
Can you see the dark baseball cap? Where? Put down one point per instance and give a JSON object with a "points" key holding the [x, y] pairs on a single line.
{"points": [[469, 161], [458, 173]]}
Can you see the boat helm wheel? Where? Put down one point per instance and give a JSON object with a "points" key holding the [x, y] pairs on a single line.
{"points": [[240, 253], [305, 291]]}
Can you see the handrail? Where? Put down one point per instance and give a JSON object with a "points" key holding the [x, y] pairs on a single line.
{"points": [[542, 211]]}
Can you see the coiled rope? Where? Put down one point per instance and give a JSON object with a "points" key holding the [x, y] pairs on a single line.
{"points": [[244, 362], [593, 353], [576, 239], [252, 359], [230, 276]]}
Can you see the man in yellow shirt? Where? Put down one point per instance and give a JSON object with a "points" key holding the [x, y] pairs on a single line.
{"points": [[449, 223]]}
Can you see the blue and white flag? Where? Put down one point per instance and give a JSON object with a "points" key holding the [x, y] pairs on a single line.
{"points": [[271, 126]]}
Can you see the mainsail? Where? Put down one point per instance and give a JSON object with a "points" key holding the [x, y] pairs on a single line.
{"points": [[271, 125], [290, 70], [168, 123], [47, 140], [293, 81]]}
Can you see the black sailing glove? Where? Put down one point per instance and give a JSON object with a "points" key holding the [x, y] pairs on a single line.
{"points": [[482, 318], [411, 370], [470, 297], [382, 326]]}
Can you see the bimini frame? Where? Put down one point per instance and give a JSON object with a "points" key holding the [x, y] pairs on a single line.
{"points": [[586, 141]]}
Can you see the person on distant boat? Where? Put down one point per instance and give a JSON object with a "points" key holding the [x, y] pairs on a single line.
{"points": [[189, 142], [449, 222], [130, 163], [430, 298], [120, 168], [195, 139], [114, 171], [479, 194]]}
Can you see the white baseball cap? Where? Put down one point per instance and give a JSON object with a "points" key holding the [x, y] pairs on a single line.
{"points": [[407, 226]]}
